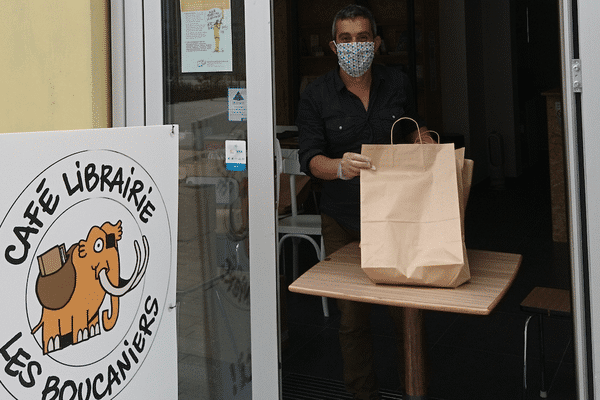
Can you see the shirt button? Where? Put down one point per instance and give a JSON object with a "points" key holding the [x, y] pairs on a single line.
{"points": [[340, 128], [393, 117]]}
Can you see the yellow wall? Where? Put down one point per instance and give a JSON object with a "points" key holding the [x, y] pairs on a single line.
{"points": [[54, 65]]}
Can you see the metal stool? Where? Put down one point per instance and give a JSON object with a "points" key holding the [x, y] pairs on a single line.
{"points": [[549, 302]]}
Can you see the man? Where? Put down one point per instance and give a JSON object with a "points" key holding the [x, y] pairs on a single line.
{"points": [[345, 108]]}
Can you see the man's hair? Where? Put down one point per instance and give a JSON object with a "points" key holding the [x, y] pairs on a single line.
{"points": [[353, 11]]}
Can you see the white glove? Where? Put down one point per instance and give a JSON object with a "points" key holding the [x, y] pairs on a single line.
{"points": [[351, 164]]}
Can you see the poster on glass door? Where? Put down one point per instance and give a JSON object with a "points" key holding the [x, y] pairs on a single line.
{"points": [[206, 41], [88, 234]]}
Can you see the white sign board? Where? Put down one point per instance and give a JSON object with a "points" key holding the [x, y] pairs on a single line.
{"points": [[88, 264]]}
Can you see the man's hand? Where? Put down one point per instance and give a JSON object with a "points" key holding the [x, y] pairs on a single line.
{"points": [[351, 164]]}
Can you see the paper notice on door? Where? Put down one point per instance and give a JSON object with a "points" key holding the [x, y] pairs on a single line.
{"points": [[206, 40], [235, 155], [237, 104]]}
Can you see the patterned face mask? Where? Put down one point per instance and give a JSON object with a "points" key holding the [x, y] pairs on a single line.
{"points": [[355, 58]]}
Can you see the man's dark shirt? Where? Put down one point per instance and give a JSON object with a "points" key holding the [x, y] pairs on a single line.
{"points": [[332, 121]]}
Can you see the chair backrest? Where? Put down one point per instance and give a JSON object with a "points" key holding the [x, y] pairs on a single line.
{"points": [[290, 165], [291, 162]]}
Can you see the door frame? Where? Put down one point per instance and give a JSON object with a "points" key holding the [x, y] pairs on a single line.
{"points": [[137, 93], [136, 50], [583, 191], [264, 282]]}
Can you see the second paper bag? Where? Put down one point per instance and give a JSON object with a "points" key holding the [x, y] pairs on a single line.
{"points": [[410, 216]]}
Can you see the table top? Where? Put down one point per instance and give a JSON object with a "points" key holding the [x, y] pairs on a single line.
{"points": [[340, 276]]}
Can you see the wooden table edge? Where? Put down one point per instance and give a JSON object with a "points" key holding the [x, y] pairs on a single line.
{"points": [[423, 306]]}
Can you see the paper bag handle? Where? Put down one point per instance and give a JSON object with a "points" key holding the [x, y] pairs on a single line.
{"points": [[418, 130]]}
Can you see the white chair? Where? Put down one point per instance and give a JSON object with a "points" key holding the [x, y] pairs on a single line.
{"points": [[297, 226]]}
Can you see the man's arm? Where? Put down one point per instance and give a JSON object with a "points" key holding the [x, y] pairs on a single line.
{"points": [[350, 164], [323, 167]]}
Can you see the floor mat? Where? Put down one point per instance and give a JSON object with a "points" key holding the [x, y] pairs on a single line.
{"points": [[304, 387]]}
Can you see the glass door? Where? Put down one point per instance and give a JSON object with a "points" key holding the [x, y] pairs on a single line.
{"points": [[199, 74], [213, 285]]}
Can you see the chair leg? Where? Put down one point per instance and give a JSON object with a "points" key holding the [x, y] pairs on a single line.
{"points": [[322, 249], [543, 391], [295, 257], [525, 357], [324, 299], [320, 254], [325, 307]]}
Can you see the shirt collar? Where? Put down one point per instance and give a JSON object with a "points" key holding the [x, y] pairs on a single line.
{"points": [[337, 80], [376, 78]]}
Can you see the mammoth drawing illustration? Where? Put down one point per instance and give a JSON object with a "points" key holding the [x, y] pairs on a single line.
{"points": [[72, 285]]}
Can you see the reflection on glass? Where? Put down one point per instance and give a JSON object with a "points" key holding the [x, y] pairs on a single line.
{"points": [[213, 286]]}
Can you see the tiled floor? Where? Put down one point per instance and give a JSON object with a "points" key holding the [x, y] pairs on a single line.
{"points": [[470, 357]]}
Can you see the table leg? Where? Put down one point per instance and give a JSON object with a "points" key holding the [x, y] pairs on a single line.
{"points": [[415, 381]]}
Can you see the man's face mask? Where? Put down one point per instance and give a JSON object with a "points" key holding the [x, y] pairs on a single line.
{"points": [[355, 58]]}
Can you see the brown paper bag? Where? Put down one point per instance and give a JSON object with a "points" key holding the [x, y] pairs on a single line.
{"points": [[412, 215]]}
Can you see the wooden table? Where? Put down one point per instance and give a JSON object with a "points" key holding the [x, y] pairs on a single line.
{"points": [[340, 276]]}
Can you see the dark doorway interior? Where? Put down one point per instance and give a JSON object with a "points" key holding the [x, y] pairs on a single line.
{"points": [[472, 357]]}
